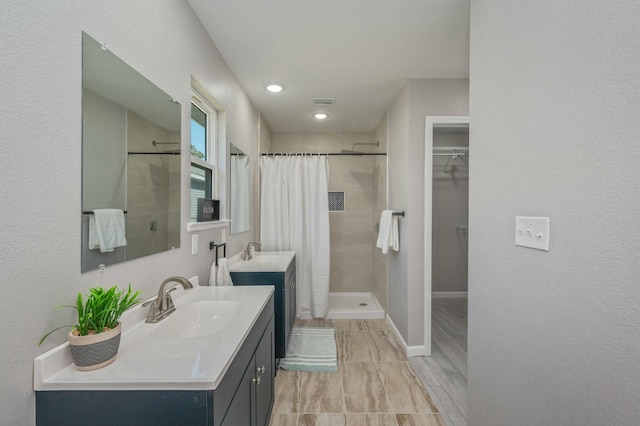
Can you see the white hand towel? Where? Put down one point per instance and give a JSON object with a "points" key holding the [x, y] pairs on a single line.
{"points": [[388, 233], [107, 230], [212, 274], [223, 277], [93, 236], [394, 241]]}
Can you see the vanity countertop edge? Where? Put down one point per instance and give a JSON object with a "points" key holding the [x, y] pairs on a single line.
{"points": [[147, 363], [264, 261]]}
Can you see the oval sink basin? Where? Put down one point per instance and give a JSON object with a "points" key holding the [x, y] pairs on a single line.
{"points": [[197, 319]]}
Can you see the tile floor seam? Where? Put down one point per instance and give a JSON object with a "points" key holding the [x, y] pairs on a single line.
{"points": [[386, 391], [344, 394]]}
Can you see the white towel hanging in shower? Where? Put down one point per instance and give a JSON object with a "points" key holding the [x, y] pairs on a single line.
{"points": [[388, 234], [107, 230]]}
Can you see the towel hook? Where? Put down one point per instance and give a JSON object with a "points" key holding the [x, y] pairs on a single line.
{"points": [[213, 245]]}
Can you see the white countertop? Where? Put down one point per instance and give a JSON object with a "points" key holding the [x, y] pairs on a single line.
{"points": [[147, 363], [265, 261]]}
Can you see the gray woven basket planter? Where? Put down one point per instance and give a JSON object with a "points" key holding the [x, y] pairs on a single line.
{"points": [[96, 350]]}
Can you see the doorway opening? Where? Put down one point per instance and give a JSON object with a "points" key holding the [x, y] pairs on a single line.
{"points": [[446, 221], [444, 369]]}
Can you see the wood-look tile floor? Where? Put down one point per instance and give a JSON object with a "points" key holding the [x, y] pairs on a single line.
{"points": [[444, 373], [375, 384]]}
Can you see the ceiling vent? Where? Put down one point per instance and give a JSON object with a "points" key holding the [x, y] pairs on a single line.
{"points": [[324, 101]]}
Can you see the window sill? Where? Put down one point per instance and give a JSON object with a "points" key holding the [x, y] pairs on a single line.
{"points": [[202, 226]]}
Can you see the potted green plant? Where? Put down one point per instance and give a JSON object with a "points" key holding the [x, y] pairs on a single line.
{"points": [[95, 339]]}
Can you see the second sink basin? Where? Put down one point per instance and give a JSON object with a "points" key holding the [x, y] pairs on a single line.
{"points": [[264, 261], [267, 258], [197, 319]]}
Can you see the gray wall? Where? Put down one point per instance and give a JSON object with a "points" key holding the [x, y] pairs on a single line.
{"points": [[405, 275], [265, 136], [554, 337], [41, 161], [450, 209]]}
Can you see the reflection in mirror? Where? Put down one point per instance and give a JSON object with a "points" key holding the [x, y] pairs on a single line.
{"points": [[239, 190], [130, 162]]}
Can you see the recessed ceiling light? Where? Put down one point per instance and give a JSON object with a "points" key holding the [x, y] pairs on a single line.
{"points": [[274, 87], [320, 115]]}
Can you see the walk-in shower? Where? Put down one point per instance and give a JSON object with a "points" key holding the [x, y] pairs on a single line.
{"points": [[357, 180]]}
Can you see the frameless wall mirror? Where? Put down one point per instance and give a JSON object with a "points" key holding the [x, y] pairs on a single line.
{"points": [[239, 190], [130, 162]]}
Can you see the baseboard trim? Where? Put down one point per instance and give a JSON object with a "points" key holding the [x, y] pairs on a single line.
{"points": [[410, 351], [450, 294]]}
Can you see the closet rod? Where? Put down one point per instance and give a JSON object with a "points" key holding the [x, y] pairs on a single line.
{"points": [[448, 151], [448, 148], [449, 154], [285, 154]]}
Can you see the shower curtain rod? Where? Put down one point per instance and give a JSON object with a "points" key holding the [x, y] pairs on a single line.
{"points": [[154, 153], [286, 154], [154, 143]]}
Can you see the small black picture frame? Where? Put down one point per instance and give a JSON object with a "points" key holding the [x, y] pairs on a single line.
{"points": [[208, 210]]}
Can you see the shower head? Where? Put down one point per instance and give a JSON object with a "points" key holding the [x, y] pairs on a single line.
{"points": [[170, 151], [352, 151]]}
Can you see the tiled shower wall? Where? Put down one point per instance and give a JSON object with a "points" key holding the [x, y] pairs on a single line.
{"points": [[353, 231], [153, 183], [379, 204]]}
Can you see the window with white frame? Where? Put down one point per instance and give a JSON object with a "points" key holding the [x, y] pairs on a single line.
{"points": [[203, 148]]}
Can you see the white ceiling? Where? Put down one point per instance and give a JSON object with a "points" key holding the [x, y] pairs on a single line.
{"points": [[360, 52]]}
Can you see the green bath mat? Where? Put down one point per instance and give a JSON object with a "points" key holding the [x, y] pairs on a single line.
{"points": [[311, 349]]}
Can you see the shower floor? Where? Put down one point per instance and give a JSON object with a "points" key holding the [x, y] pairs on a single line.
{"points": [[351, 306]]}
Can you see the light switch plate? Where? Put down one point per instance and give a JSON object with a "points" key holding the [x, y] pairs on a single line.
{"points": [[194, 244], [532, 232]]}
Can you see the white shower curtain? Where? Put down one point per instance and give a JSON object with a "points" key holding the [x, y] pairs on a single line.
{"points": [[294, 215]]}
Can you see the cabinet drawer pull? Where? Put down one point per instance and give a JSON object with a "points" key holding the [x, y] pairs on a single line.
{"points": [[261, 369], [256, 380]]}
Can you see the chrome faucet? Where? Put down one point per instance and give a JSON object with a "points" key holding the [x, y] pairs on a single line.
{"points": [[246, 255], [163, 306]]}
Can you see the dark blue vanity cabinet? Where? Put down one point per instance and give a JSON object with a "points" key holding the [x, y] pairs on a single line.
{"points": [[285, 299], [244, 396]]}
